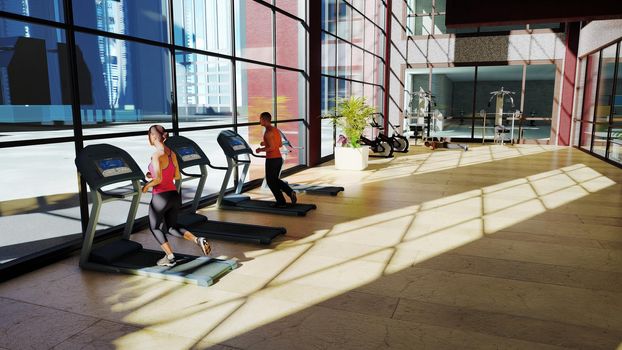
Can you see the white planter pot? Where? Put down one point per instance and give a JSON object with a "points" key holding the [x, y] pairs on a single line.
{"points": [[347, 158]]}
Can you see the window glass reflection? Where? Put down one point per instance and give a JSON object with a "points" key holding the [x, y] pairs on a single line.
{"points": [[203, 24], [203, 89], [146, 19], [123, 84], [35, 86]]}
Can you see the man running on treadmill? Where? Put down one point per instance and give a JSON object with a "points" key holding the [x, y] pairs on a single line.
{"points": [[272, 144]]}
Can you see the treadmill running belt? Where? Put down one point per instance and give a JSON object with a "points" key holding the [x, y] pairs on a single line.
{"points": [[311, 189], [202, 271], [266, 207], [237, 232]]}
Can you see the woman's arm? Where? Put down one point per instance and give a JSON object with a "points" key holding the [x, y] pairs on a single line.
{"points": [[157, 169], [176, 164]]}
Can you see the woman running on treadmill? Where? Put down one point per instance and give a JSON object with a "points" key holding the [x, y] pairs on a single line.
{"points": [[444, 143], [272, 144], [165, 200]]}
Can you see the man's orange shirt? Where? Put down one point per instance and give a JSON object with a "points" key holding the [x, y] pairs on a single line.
{"points": [[273, 138]]}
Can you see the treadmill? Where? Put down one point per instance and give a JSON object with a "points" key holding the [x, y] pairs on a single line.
{"points": [[189, 154], [238, 153], [106, 165], [309, 189]]}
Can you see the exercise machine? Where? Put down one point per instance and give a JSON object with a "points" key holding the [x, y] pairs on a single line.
{"points": [[104, 165], [309, 189], [500, 130], [381, 146], [238, 153], [189, 154], [399, 142], [420, 113]]}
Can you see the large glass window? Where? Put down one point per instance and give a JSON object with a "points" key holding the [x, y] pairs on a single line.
{"points": [[329, 54], [498, 107], [254, 91], [123, 84], [451, 113], [35, 90], [203, 24], [540, 103], [295, 7], [46, 9], [290, 95], [329, 16], [601, 119], [39, 207], [146, 19], [604, 99], [290, 40], [253, 31], [328, 104], [590, 77], [141, 67], [203, 89], [207, 140]]}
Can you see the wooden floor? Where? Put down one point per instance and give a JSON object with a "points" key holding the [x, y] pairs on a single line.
{"points": [[498, 247]]}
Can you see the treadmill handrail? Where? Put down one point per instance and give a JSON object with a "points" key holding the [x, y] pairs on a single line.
{"points": [[217, 167], [115, 195], [188, 174]]}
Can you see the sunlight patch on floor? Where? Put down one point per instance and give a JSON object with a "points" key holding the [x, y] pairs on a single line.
{"points": [[299, 273]]}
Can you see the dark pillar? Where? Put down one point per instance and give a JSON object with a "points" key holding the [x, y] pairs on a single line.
{"points": [[315, 84], [387, 65], [568, 83]]}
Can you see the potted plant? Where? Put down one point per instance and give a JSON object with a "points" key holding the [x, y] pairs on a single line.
{"points": [[352, 116]]}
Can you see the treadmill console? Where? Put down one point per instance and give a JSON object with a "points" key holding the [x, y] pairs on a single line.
{"points": [[112, 167], [233, 144], [188, 153], [104, 164]]}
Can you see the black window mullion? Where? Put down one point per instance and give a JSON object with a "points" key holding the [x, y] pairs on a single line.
{"points": [[600, 59], [274, 91], [234, 71], [75, 109], [173, 71], [473, 105], [612, 100]]}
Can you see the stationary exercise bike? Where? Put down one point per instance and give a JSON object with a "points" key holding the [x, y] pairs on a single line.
{"points": [[381, 146], [399, 142]]}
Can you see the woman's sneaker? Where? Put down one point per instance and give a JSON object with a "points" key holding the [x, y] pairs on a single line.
{"points": [[166, 261], [204, 245]]}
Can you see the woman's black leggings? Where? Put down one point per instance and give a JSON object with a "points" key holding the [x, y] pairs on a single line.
{"points": [[163, 211]]}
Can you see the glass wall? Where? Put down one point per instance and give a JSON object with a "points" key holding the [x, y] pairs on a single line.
{"points": [[352, 56], [495, 108], [452, 110], [464, 103], [135, 66], [540, 104], [600, 130], [35, 94]]}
